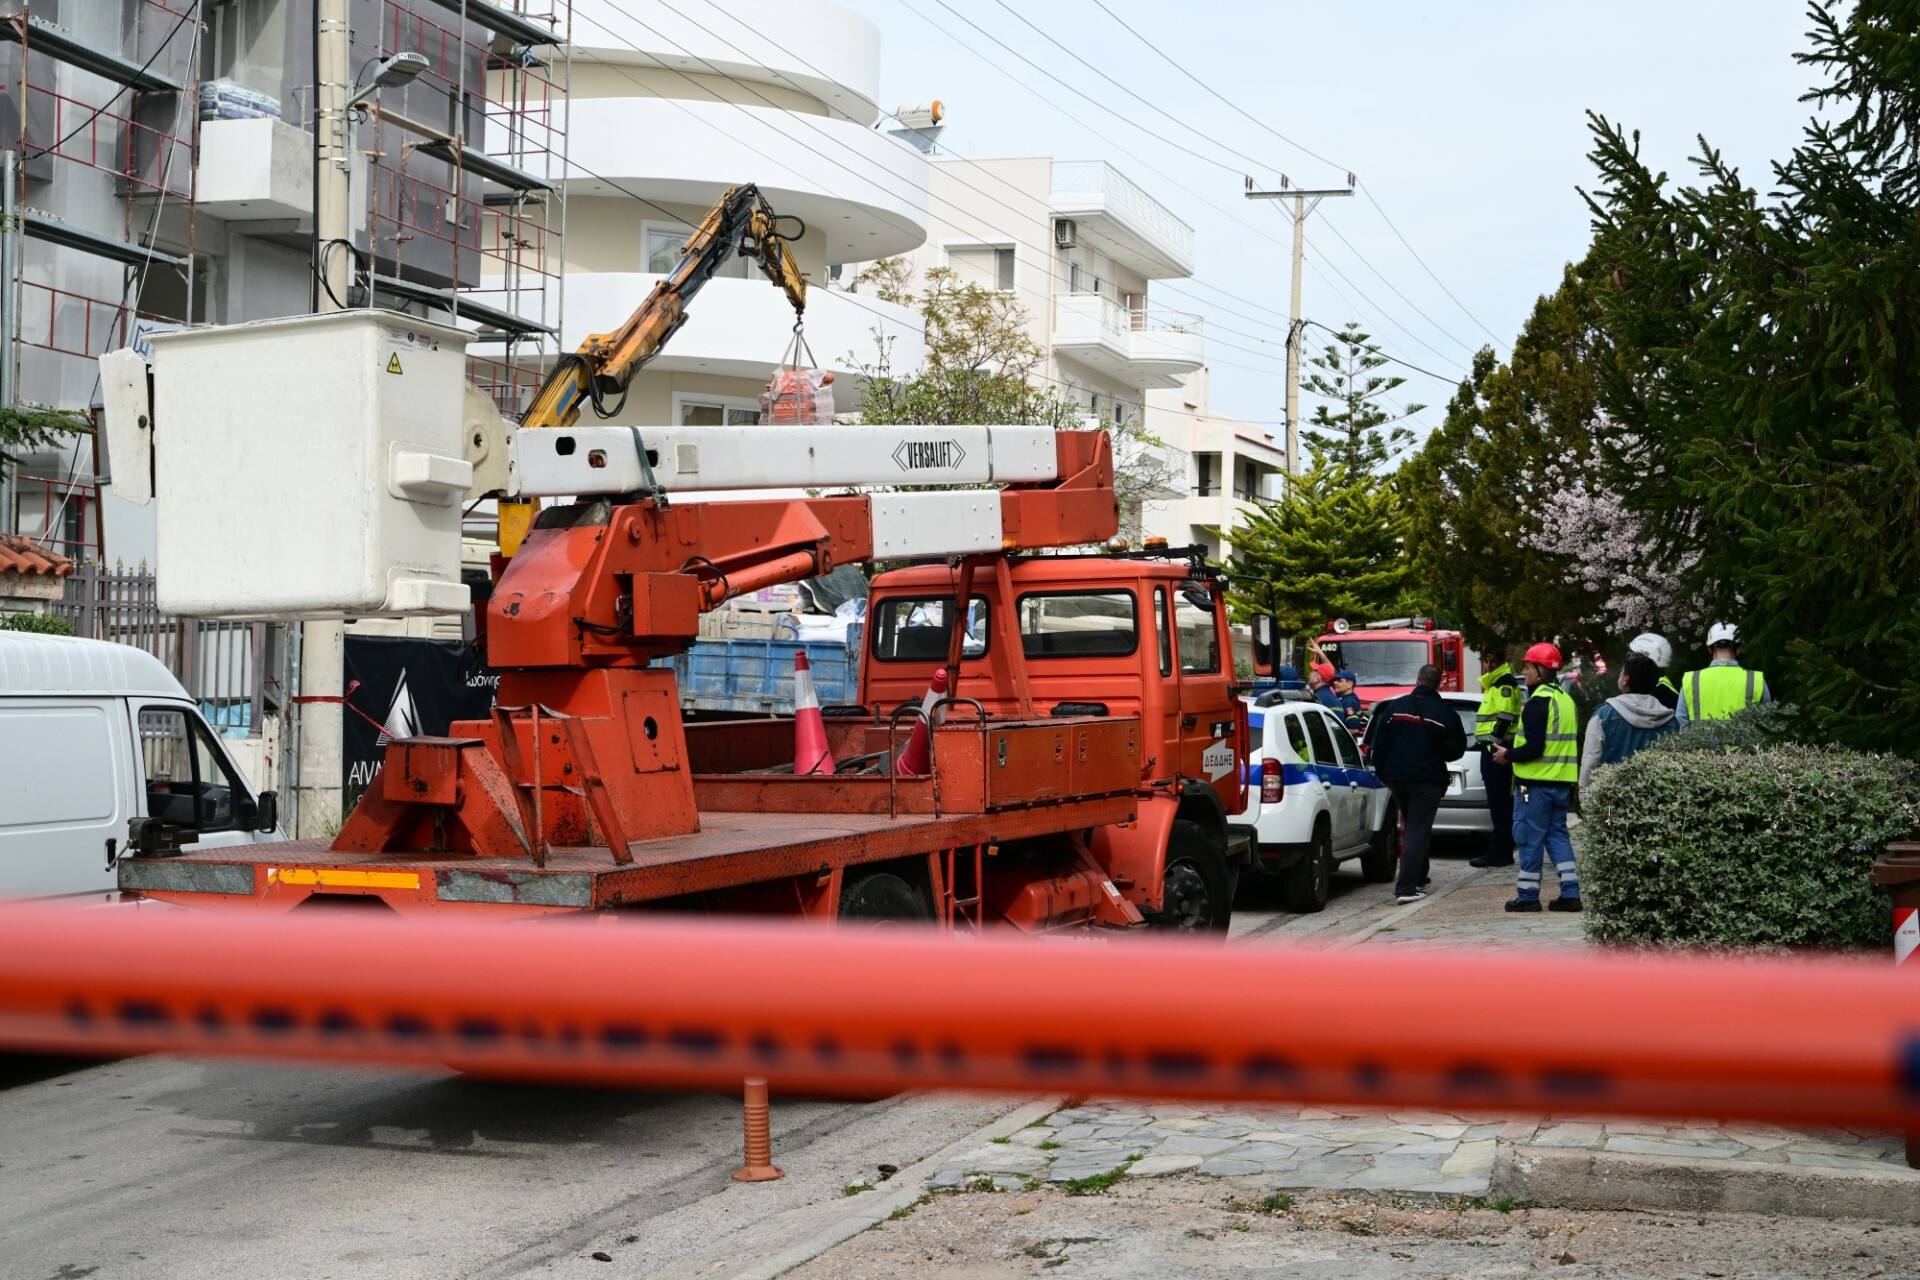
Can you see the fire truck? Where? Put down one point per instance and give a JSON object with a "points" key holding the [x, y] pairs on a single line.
{"points": [[1084, 762], [1384, 656]]}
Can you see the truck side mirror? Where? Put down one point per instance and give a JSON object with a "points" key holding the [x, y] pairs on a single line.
{"points": [[1266, 634], [1450, 659], [266, 811]]}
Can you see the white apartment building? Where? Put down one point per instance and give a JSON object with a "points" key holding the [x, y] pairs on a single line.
{"points": [[664, 116], [1077, 244], [1231, 465]]}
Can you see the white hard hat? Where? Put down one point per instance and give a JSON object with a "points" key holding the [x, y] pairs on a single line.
{"points": [[1653, 646], [1722, 633]]}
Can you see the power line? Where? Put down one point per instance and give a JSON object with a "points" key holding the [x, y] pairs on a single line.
{"points": [[808, 121], [1382, 314], [1262, 124], [1439, 377], [1423, 264], [121, 90], [1177, 65]]}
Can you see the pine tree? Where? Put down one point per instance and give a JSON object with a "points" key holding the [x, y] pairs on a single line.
{"points": [[1473, 491], [1330, 546], [1357, 430], [1763, 355]]}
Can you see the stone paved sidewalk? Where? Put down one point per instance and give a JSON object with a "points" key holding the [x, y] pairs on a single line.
{"points": [[1392, 1151], [1434, 1152]]}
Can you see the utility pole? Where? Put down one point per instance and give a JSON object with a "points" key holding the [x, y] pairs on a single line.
{"points": [[1304, 203], [319, 791]]}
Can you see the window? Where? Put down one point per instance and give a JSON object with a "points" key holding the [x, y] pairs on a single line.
{"points": [[666, 244], [715, 411], [1379, 661], [1206, 473], [1322, 740], [1297, 735], [919, 629], [1349, 752], [1075, 284], [1160, 630], [989, 266], [187, 782], [1199, 638], [1079, 624]]}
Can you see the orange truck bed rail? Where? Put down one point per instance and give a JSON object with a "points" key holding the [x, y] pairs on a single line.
{"points": [[664, 1003]]}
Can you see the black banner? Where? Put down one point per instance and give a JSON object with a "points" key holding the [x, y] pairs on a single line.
{"points": [[407, 687]]}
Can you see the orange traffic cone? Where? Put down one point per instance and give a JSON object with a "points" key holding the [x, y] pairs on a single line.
{"points": [[810, 751], [917, 756]]}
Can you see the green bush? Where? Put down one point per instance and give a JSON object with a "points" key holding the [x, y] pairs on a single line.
{"points": [[44, 623], [1758, 846], [1761, 725]]}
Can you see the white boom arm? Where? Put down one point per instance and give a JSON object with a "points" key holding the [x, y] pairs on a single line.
{"points": [[604, 460]]}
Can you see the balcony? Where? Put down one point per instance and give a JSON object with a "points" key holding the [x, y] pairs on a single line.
{"points": [[826, 50], [1111, 213], [255, 170], [863, 193], [1140, 348], [739, 328]]}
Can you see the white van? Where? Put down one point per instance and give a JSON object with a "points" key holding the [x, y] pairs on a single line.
{"points": [[94, 735]]}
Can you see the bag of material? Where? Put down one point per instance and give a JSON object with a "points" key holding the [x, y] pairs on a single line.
{"points": [[797, 395]]}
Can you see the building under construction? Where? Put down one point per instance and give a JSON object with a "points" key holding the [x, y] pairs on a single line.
{"points": [[158, 168]]}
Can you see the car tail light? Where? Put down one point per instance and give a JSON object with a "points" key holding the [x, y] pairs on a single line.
{"points": [[1273, 788]]}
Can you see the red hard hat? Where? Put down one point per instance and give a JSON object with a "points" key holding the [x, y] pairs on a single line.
{"points": [[1544, 654]]}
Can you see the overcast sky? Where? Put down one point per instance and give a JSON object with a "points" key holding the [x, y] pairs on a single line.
{"points": [[1465, 121]]}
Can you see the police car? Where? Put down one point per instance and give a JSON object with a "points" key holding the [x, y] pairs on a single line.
{"points": [[1312, 801]]}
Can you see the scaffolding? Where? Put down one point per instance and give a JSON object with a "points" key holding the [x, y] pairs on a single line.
{"points": [[96, 201], [467, 212]]}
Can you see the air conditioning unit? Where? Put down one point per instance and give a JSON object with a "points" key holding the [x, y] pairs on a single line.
{"points": [[1063, 234]]}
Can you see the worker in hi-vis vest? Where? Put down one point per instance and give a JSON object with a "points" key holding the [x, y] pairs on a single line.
{"points": [[1501, 698], [1723, 687], [1545, 756], [1655, 646]]}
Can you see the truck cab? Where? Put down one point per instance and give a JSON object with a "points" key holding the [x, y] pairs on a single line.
{"points": [[1385, 656], [1134, 636]]}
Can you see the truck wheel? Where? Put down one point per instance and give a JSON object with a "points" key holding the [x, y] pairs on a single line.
{"points": [[1381, 862], [1305, 885], [1197, 895], [880, 897]]}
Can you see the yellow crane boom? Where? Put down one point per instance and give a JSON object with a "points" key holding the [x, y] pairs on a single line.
{"points": [[742, 222]]}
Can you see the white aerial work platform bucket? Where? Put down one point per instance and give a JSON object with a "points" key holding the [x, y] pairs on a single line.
{"points": [[310, 467]]}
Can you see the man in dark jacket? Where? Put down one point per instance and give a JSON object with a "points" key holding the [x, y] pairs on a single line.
{"points": [[1412, 739]]}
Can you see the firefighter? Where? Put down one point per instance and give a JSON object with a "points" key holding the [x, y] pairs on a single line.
{"points": [[1501, 697], [1723, 687], [1655, 646], [1545, 756]]}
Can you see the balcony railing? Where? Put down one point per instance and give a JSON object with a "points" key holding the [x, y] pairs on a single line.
{"points": [[1097, 176]]}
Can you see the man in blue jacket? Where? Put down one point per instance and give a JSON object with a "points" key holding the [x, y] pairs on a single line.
{"points": [[1412, 738], [1339, 696], [1628, 724]]}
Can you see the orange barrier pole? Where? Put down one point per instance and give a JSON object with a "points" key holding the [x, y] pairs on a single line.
{"points": [[759, 1145], [652, 1001]]}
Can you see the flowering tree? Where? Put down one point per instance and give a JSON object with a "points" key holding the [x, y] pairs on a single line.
{"points": [[1611, 554]]}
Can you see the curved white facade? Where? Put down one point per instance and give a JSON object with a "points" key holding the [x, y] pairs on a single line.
{"points": [[864, 191], [740, 328], [825, 50], [669, 106]]}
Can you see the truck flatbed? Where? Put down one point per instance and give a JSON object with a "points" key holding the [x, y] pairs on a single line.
{"points": [[731, 849]]}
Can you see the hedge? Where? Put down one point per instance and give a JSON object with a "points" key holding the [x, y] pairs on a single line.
{"points": [[44, 623], [1764, 845]]}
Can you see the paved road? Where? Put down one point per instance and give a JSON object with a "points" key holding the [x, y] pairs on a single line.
{"points": [[161, 1167]]}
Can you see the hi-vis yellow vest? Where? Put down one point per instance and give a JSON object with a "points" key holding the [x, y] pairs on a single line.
{"points": [[1715, 693], [1561, 761]]}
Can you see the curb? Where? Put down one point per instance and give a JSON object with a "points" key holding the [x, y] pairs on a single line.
{"points": [[1568, 1178], [864, 1211]]}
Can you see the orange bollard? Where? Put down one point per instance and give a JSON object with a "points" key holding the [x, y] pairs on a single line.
{"points": [[759, 1165], [810, 751], [917, 756]]}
